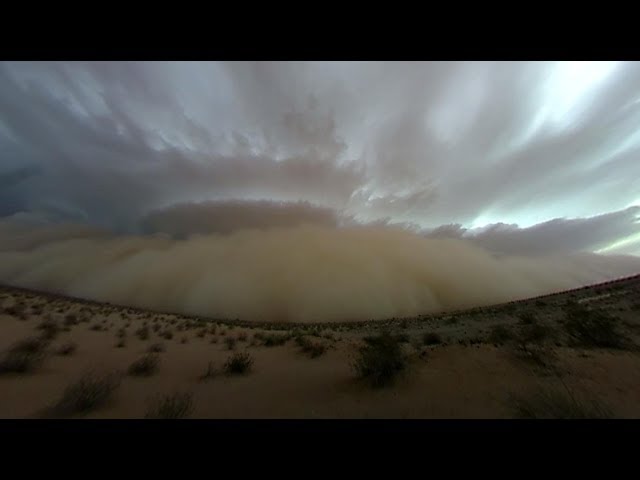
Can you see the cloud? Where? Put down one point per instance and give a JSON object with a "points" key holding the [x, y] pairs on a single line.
{"points": [[305, 273], [430, 143], [558, 236]]}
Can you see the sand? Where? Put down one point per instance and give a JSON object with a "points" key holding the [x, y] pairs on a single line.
{"points": [[466, 377]]}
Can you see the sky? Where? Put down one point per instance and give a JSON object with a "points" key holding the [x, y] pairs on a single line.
{"points": [[515, 158]]}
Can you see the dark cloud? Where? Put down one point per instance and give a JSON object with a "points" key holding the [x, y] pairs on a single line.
{"points": [[422, 144]]}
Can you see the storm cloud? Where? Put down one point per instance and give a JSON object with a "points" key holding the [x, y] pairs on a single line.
{"points": [[521, 163]]}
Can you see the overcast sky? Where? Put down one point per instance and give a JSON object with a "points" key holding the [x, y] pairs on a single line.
{"points": [[530, 157]]}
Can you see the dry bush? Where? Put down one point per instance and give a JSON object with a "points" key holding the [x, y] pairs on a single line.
{"points": [[238, 364], [173, 406], [145, 366]]}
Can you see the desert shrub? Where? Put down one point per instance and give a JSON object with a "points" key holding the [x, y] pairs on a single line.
{"points": [[558, 404], [202, 333], [592, 328], [403, 338], [13, 310], [452, 320], [121, 343], [156, 327], [213, 340], [310, 348], [90, 392], [70, 319], [527, 318], [24, 356], [173, 406], [380, 360], [500, 334], [145, 366], [156, 348], [242, 337], [68, 348], [96, 327], [122, 333], [542, 358], [167, 335], [431, 338], [230, 342], [184, 340], [238, 364], [275, 340], [50, 329], [534, 333], [143, 333]]}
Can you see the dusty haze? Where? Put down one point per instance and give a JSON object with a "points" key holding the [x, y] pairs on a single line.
{"points": [[304, 273]]}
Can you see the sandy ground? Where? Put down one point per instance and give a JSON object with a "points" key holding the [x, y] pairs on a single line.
{"points": [[468, 376]]}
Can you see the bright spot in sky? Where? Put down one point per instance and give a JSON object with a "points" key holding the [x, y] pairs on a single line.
{"points": [[569, 85]]}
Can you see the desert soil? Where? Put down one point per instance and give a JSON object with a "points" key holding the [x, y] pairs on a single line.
{"points": [[470, 374]]}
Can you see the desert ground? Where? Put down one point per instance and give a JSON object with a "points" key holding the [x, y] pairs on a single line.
{"points": [[569, 355]]}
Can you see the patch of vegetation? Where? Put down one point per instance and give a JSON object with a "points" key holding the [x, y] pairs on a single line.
{"points": [[167, 334], [184, 340], [173, 406], [96, 327], [238, 364], [90, 392], [310, 348], [380, 360], [67, 349], [143, 333], [527, 318], [24, 356], [452, 320], [14, 311], [230, 342], [145, 366], [402, 337], [500, 334], [50, 329], [156, 348], [275, 340], [121, 343], [537, 355], [431, 338], [535, 333], [242, 337], [592, 328], [558, 404], [70, 319]]}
